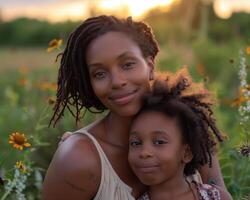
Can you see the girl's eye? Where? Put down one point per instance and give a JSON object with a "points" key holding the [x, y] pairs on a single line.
{"points": [[128, 65], [100, 75], [135, 143], [159, 142]]}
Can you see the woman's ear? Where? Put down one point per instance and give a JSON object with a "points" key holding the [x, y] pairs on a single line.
{"points": [[151, 64], [187, 155]]}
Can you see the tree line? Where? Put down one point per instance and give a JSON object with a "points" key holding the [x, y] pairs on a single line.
{"points": [[176, 24]]}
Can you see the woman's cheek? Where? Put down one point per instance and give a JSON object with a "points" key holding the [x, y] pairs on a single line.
{"points": [[140, 75], [99, 87]]}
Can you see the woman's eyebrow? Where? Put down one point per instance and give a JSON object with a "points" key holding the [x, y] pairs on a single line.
{"points": [[95, 65], [119, 57], [125, 54]]}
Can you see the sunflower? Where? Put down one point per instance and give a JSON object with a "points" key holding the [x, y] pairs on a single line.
{"points": [[248, 50], [51, 100], [47, 86], [18, 140], [54, 44], [23, 81], [21, 166]]}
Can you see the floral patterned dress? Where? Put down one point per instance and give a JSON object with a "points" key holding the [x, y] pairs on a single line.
{"points": [[204, 191]]}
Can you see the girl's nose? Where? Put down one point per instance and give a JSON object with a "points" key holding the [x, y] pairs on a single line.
{"points": [[118, 79], [146, 153]]}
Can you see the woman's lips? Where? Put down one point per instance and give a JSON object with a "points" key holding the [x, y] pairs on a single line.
{"points": [[122, 99]]}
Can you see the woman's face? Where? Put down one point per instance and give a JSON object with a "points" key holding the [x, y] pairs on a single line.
{"points": [[156, 150], [119, 73]]}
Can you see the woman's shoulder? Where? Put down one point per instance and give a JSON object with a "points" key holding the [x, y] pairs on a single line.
{"points": [[75, 167], [78, 154]]}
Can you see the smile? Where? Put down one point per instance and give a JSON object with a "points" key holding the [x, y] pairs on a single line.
{"points": [[147, 169], [123, 98]]}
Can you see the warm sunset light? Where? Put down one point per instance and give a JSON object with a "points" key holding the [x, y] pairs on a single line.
{"points": [[135, 8], [53, 12], [61, 10], [225, 8]]}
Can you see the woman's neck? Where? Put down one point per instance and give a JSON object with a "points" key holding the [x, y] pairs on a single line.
{"points": [[117, 129], [170, 189]]}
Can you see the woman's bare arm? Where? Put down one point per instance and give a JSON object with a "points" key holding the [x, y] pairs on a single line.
{"points": [[74, 172], [213, 175]]}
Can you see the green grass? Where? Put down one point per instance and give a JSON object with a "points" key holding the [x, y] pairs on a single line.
{"points": [[24, 108]]}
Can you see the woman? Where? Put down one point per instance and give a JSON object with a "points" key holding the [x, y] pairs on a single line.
{"points": [[108, 63]]}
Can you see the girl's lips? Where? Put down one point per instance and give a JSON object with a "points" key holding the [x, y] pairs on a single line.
{"points": [[147, 169], [123, 99]]}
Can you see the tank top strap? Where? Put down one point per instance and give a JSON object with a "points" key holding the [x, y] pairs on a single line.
{"points": [[99, 149], [111, 187], [106, 165]]}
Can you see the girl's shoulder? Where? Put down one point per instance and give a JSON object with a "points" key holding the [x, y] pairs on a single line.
{"points": [[208, 192], [212, 192], [145, 196]]}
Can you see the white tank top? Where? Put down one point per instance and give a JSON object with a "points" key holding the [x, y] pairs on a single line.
{"points": [[111, 186]]}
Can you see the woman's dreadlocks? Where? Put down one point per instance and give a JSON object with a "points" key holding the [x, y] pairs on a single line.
{"points": [[74, 87]]}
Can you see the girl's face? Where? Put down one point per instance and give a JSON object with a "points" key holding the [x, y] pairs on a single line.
{"points": [[119, 73], [156, 151]]}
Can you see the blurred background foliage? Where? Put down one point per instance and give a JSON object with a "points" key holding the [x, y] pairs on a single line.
{"points": [[188, 34]]}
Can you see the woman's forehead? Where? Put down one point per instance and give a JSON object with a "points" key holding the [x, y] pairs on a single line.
{"points": [[111, 45]]}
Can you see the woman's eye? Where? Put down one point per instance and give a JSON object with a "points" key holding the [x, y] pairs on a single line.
{"points": [[135, 143], [100, 75], [128, 65], [159, 142]]}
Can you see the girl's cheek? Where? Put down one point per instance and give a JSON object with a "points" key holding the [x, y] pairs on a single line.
{"points": [[132, 157]]}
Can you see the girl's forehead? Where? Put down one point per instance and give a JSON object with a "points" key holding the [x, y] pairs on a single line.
{"points": [[111, 45], [154, 119], [154, 123]]}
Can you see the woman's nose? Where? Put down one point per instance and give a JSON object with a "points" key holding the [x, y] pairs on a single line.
{"points": [[118, 79]]}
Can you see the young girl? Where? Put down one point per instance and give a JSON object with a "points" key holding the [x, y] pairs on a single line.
{"points": [[107, 64], [172, 135]]}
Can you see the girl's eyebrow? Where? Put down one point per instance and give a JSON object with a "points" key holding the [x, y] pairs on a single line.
{"points": [[156, 132], [133, 133], [160, 132]]}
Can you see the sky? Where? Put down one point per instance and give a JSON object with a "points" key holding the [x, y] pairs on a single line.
{"points": [[60, 10]]}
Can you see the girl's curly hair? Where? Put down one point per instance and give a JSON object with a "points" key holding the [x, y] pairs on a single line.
{"points": [[177, 96]]}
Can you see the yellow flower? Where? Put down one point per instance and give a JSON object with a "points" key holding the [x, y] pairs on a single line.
{"points": [[18, 140], [47, 86], [23, 81], [21, 166], [51, 100], [53, 44], [248, 50], [23, 69], [241, 99]]}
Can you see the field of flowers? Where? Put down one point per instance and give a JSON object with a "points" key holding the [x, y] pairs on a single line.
{"points": [[27, 96]]}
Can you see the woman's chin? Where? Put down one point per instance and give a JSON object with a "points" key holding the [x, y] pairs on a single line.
{"points": [[127, 111]]}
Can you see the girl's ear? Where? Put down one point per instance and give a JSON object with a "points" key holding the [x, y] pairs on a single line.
{"points": [[187, 155], [151, 64]]}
